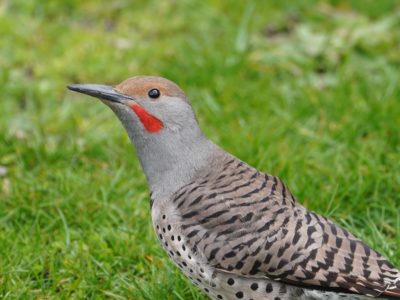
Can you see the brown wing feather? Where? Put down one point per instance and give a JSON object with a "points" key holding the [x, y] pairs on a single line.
{"points": [[345, 262], [392, 292], [246, 222]]}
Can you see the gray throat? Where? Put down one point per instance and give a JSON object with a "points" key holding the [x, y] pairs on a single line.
{"points": [[170, 165]]}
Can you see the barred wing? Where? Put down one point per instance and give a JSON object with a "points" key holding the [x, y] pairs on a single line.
{"points": [[245, 222]]}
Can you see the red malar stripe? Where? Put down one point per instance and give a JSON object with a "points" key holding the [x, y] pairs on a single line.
{"points": [[150, 122]]}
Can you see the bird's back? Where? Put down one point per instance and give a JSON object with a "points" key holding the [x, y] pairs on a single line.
{"points": [[234, 223]]}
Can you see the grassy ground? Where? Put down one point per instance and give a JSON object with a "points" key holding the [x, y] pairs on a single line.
{"points": [[306, 90]]}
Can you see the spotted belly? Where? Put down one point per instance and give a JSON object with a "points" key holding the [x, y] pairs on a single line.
{"points": [[216, 284], [223, 285]]}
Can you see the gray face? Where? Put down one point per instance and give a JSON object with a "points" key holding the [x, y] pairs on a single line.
{"points": [[147, 105], [160, 123]]}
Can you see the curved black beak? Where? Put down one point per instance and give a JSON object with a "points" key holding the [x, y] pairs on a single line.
{"points": [[101, 91]]}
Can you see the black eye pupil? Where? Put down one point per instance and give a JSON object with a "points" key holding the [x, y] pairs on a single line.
{"points": [[154, 93]]}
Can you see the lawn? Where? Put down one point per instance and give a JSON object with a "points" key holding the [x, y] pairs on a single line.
{"points": [[306, 90]]}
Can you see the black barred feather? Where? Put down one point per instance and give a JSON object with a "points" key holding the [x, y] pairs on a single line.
{"points": [[248, 224]]}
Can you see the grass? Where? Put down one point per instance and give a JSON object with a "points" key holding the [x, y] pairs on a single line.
{"points": [[306, 90]]}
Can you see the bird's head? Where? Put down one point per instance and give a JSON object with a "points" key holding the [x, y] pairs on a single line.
{"points": [[146, 105], [160, 123]]}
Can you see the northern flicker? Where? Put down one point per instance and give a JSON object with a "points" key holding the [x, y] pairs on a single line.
{"points": [[236, 232]]}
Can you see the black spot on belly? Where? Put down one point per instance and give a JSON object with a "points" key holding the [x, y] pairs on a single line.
{"points": [[254, 286], [239, 295]]}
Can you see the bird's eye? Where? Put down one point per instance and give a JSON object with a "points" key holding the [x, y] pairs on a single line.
{"points": [[154, 93]]}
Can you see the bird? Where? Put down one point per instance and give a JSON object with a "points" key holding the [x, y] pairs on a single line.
{"points": [[234, 231]]}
